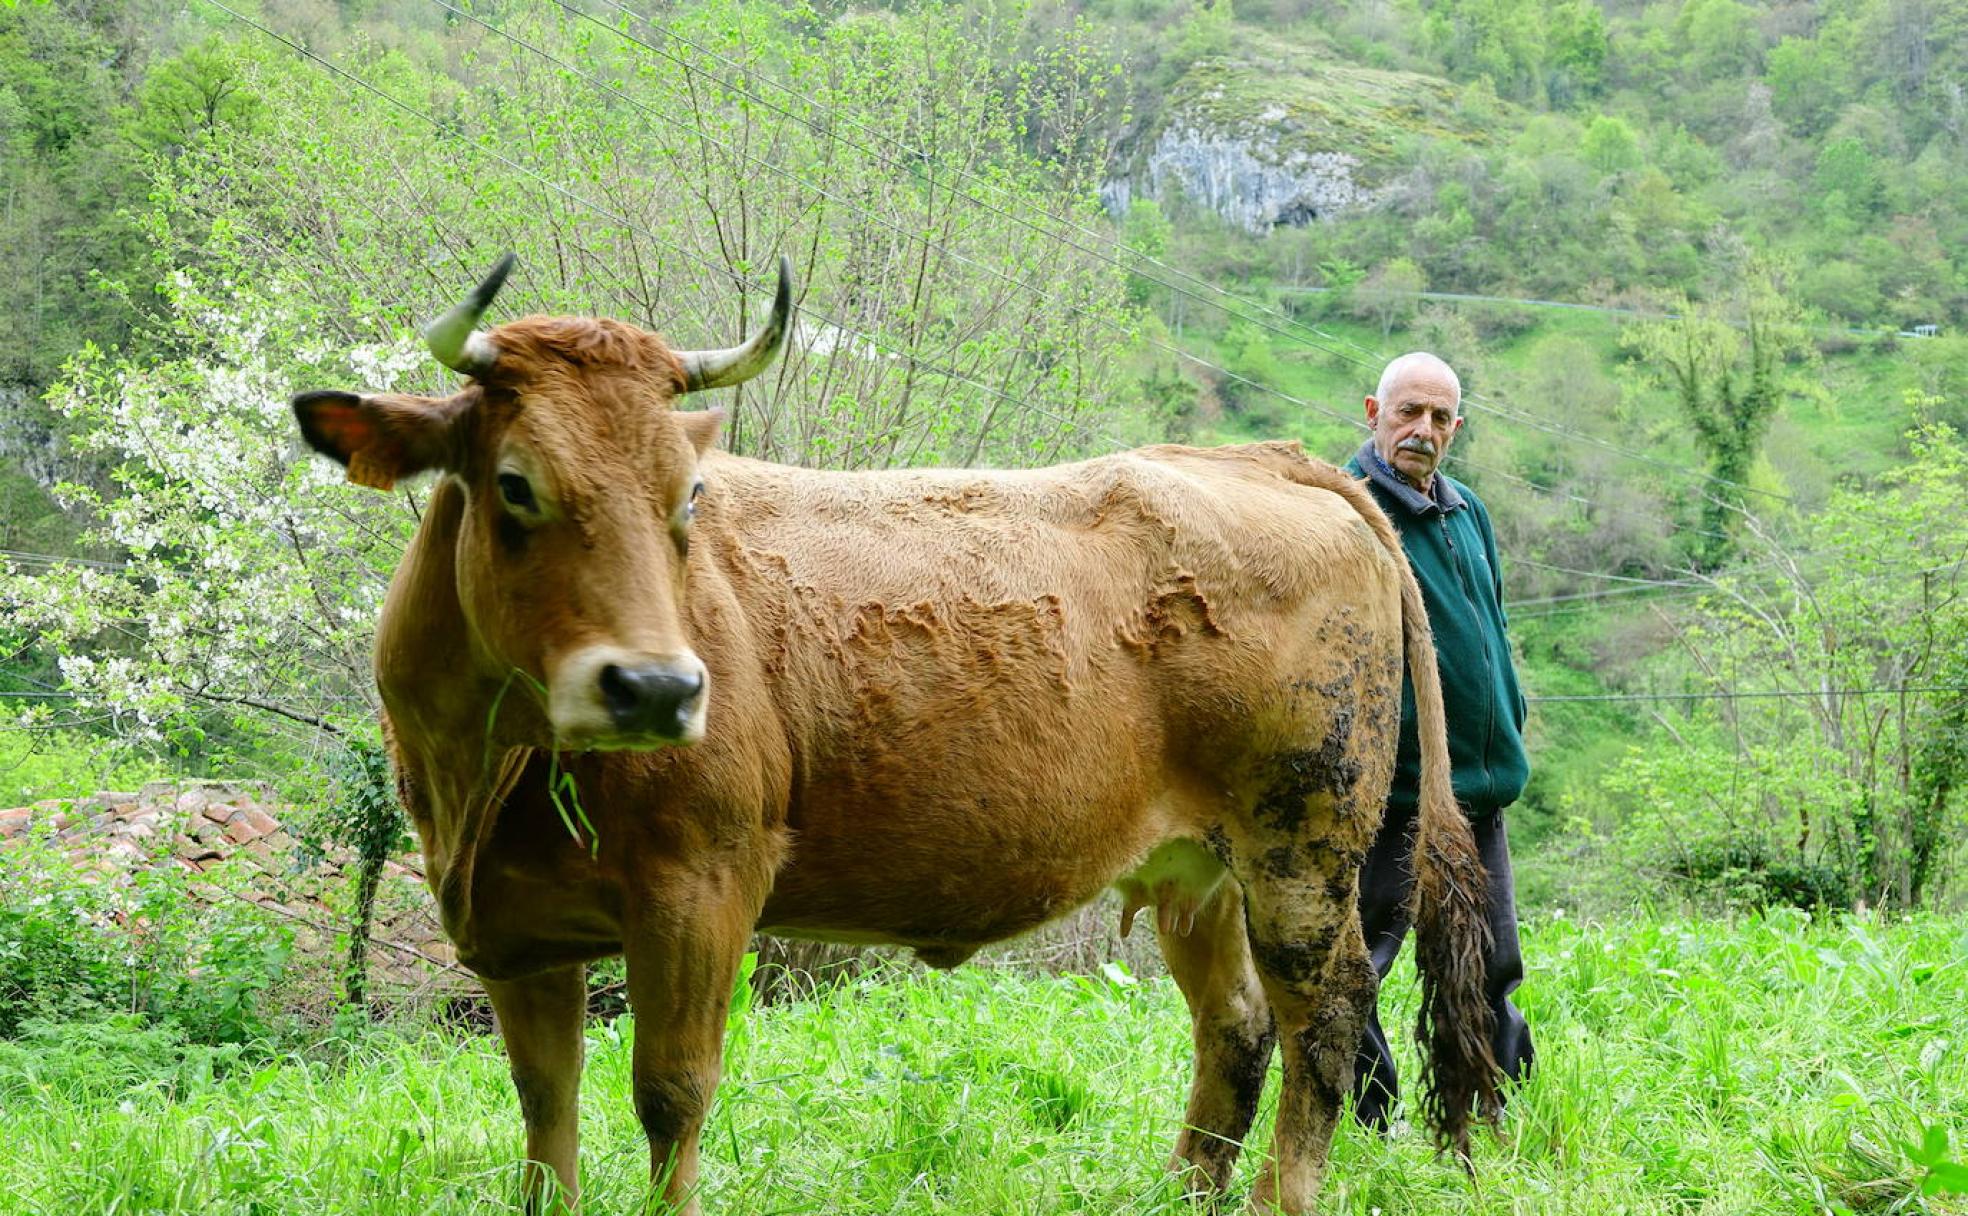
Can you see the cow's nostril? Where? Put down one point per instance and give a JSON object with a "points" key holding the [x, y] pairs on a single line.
{"points": [[618, 690]]}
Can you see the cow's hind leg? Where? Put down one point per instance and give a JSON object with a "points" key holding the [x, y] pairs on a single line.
{"points": [[540, 1019], [1299, 890], [1212, 965]]}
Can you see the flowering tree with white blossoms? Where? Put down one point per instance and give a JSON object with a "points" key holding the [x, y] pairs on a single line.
{"points": [[250, 588], [244, 604]]}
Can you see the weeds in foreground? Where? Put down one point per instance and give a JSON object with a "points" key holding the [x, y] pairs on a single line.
{"points": [[1769, 1065]]}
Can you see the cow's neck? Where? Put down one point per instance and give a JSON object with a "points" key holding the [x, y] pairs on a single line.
{"points": [[441, 704]]}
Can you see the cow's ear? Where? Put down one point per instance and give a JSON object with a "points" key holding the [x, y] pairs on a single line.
{"points": [[701, 427], [380, 439]]}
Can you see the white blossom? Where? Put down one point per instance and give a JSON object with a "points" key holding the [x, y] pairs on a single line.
{"points": [[251, 572]]}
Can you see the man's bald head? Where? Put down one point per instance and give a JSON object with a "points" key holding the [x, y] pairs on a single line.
{"points": [[1423, 368], [1415, 412]]}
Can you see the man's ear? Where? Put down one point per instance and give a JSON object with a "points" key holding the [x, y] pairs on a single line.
{"points": [[380, 439], [701, 427]]}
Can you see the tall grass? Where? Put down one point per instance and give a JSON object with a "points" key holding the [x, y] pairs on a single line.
{"points": [[1765, 1065]]}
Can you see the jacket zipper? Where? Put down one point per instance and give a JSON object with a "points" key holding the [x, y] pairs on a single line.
{"points": [[1489, 661]]}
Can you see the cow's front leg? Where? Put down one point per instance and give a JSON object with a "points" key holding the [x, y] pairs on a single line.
{"points": [[540, 1018], [686, 935]]}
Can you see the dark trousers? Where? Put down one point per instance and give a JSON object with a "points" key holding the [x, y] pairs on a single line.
{"points": [[1386, 882]]}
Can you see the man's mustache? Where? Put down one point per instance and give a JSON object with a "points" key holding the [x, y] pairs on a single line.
{"points": [[1425, 447]]}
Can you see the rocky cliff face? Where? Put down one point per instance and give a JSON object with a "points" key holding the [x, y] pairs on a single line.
{"points": [[27, 439], [1287, 137], [1247, 179]]}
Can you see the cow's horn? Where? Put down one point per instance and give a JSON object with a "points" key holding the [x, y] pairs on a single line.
{"points": [[704, 369], [455, 338]]}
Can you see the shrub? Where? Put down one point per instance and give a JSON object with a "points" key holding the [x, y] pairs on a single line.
{"points": [[102, 1058], [85, 939], [1744, 874], [68, 764], [1821, 756], [51, 963]]}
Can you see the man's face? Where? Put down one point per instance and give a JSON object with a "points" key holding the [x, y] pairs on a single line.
{"points": [[1412, 429]]}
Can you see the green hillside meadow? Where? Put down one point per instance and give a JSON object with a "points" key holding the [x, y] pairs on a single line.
{"points": [[1761, 1065]]}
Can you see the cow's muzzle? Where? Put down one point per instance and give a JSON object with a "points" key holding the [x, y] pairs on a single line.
{"points": [[650, 698], [609, 698]]}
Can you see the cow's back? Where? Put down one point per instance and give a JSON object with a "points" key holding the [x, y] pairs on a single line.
{"points": [[1128, 550], [1019, 682]]}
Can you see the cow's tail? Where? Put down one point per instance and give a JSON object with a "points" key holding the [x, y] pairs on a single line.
{"points": [[1452, 935]]}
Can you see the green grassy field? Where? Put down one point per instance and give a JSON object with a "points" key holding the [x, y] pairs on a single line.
{"points": [[1766, 1065]]}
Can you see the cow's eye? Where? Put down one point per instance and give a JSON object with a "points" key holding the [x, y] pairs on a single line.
{"points": [[517, 493], [690, 508]]}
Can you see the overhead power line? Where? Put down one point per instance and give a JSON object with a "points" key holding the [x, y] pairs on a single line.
{"points": [[1600, 594], [793, 176], [873, 340], [1541, 614], [894, 226], [1600, 574], [452, 132], [56, 559], [1132, 264], [1369, 358], [1768, 694]]}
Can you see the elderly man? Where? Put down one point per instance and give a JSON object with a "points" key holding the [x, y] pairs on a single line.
{"points": [[1415, 413]]}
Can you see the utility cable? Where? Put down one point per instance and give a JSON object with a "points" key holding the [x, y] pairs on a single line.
{"points": [[1024, 406], [1169, 348], [1771, 694], [631, 225], [1368, 358], [1599, 574], [806, 183]]}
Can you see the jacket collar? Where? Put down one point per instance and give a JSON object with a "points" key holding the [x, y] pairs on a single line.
{"points": [[1445, 499]]}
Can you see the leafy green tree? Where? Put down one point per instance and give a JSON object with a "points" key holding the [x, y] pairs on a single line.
{"points": [[1172, 397], [1206, 28], [1254, 364], [1728, 382], [1718, 38], [1847, 179], [1808, 79], [1390, 294], [1841, 288], [65, 181], [1501, 39], [1851, 785], [1147, 232], [191, 95], [1610, 146], [1577, 49]]}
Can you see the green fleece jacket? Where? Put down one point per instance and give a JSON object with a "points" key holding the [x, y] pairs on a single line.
{"points": [[1453, 552]]}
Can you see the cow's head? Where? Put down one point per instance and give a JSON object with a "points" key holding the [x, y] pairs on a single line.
{"points": [[580, 483]]}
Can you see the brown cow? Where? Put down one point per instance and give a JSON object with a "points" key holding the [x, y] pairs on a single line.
{"points": [[646, 697]]}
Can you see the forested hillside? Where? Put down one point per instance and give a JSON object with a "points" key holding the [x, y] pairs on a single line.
{"points": [[1716, 383], [1602, 153]]}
